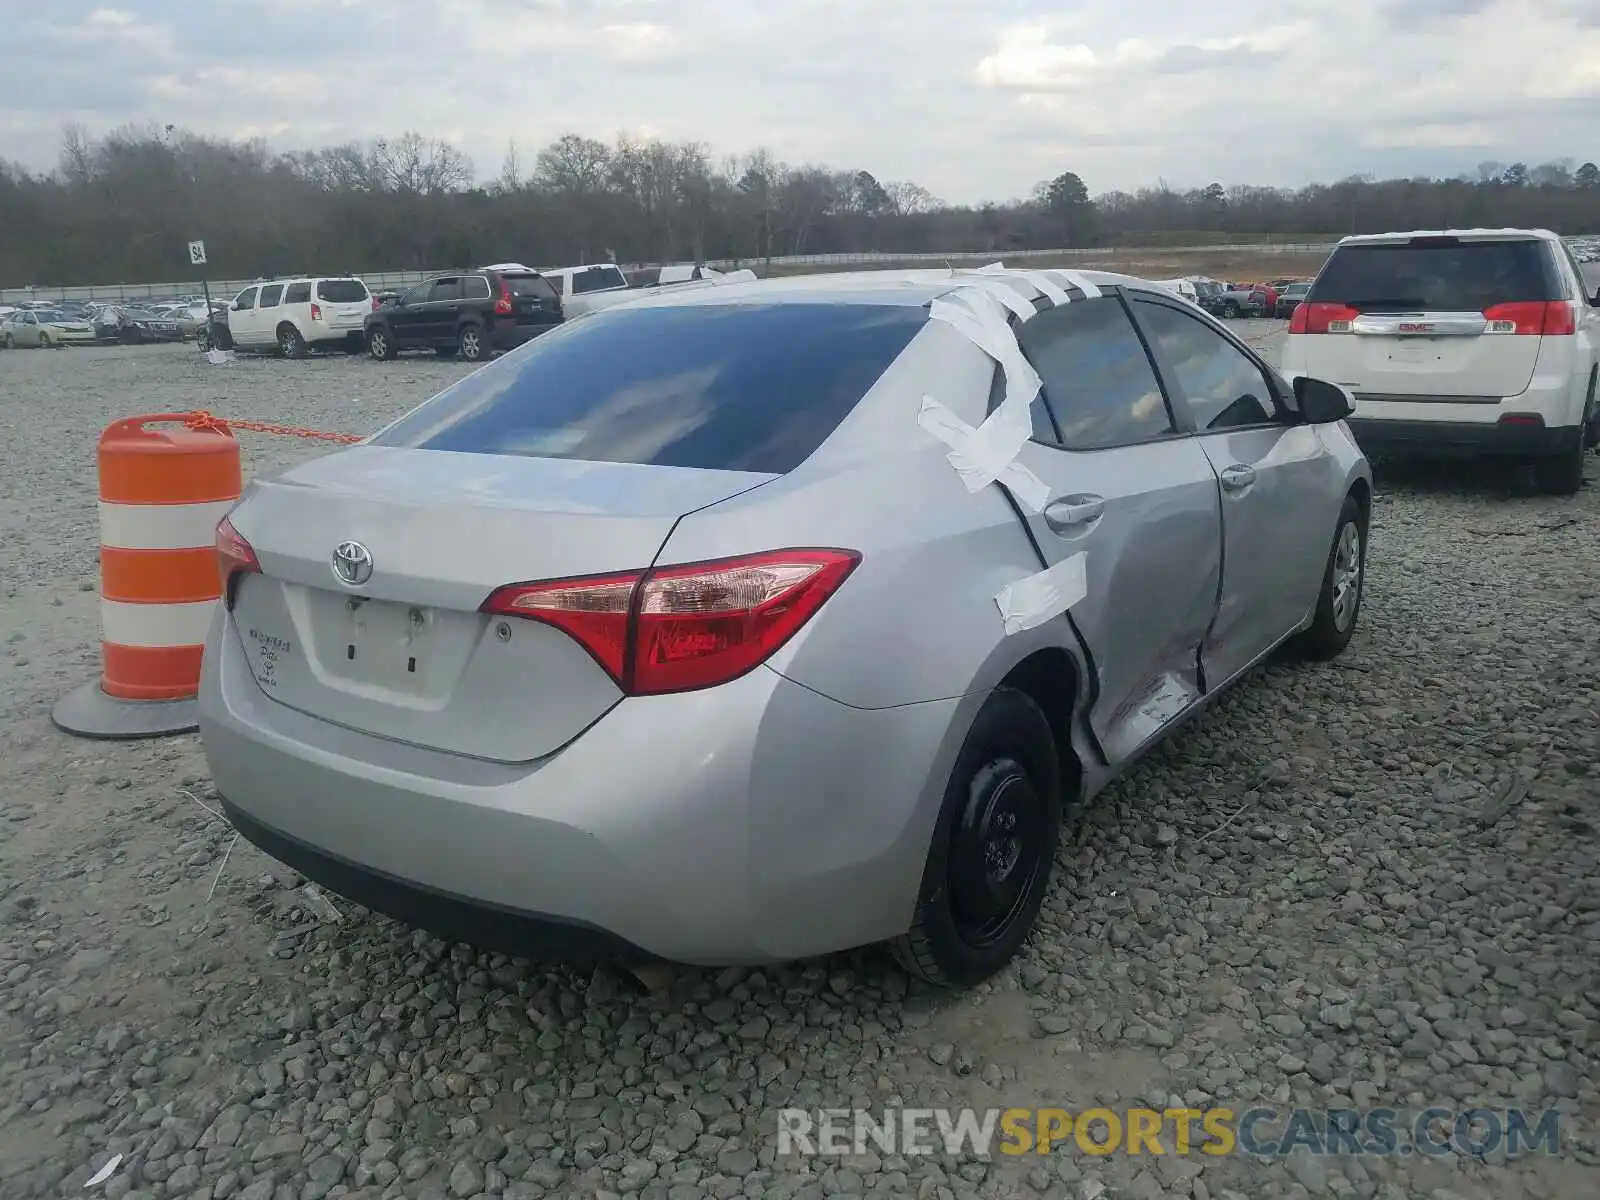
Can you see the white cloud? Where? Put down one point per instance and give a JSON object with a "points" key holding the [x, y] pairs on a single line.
{"points": [[1028, 61], [973, 101]]}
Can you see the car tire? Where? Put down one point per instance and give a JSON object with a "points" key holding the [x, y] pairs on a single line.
{"points": [[1230, 309], [1562, 474], [10, 342], [290, 343], [472, 343], [380, 344], [1343, 583], [993, 847], [202, 340]]}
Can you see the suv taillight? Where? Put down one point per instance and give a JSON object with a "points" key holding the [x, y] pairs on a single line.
{"points": [[503, 306], [1531, 318], [682, 628], [1322, 318], [374, 304], [234, 557], [316, 312]]}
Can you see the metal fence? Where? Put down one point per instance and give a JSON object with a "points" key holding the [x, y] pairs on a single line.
{"points": [[393, 280]]}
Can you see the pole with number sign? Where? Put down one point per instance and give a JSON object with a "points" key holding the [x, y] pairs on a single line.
{"points": [[197, 258]]}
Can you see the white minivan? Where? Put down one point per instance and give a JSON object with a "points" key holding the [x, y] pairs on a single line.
{"points": [[1462, 341], [299, 314]]}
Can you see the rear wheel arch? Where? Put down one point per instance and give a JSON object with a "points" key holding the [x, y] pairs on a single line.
{"points": [[1050, 678]]}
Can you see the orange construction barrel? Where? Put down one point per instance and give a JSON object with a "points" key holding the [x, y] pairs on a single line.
{"points": [[165, 482]]}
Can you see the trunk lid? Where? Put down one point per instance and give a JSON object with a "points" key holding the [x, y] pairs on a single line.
{"points": [[1416, 317], [405, 654]]}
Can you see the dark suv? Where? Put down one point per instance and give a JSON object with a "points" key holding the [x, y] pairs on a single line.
{"points": [[471, 313]]}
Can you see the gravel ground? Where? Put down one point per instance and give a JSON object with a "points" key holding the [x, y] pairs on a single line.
{"points": [[1300, 900]]}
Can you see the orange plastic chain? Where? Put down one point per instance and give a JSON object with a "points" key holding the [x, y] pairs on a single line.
{"points": [[201, 419]]}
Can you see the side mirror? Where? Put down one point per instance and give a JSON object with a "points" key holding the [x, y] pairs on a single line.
{"points": [[1322, 403]]}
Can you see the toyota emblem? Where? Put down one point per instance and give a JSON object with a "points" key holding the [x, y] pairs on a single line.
{"points": [[352, 563]]}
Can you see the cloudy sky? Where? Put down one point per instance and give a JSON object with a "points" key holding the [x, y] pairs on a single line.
{"points": [[974, 99]]}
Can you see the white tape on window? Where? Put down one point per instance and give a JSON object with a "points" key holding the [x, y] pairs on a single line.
{"points": [[1006, 294], [1089, 290], [1039, 598], [986, 454], [979, 462], [1049, 287]]}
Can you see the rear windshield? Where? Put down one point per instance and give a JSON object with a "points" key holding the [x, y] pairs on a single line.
{"points": [[725, 387], [598, 279], [529, 285], [342, 291], [1443, 276]]}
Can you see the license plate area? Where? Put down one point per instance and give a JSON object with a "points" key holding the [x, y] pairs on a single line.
{"points": [[1412, 352], [385, 646]]}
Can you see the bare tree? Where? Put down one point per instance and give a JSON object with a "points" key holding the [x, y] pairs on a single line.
{"points": [[119, 207]]}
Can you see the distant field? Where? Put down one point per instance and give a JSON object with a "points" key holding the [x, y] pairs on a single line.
{"points": [[1243, 264]]}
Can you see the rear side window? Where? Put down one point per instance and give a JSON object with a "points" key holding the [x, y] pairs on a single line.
{"points": [[728, 387], [598, 279], [270, 295], [446, 289], [1097, 377], [297, 293], [1437, 275], [475, 287], [342, 291], [529, 285]]}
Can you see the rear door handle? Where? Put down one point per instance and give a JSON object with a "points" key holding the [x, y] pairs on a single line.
{"points": [[1238, 477], [1074, 512]]}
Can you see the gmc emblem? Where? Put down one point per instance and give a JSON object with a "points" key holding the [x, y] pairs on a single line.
{"points": [[1415, 327]]}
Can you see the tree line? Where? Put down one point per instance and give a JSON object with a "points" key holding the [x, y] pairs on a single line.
{"points": [[120, 208]]}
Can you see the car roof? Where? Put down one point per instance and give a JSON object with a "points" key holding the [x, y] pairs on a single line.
{"points": [[582, 267], [913, 287], [1465, 235]]}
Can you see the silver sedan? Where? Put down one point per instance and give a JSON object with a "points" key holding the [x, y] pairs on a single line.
{"points": [[748, 623]]}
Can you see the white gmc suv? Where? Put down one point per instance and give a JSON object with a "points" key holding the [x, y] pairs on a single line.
{"points": [[1462, 341]]}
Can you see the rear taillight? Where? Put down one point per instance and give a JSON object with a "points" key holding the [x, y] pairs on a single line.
{"points": [[316, 312], [1322, 318], [681, 628], [374, 304], [1531, 318], [234, 557], [503, 306]]}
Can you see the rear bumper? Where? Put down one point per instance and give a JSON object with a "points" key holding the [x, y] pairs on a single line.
{"points": [[457, 918], [1461, 438], [749, 823], [506, 335], [318, 333]]}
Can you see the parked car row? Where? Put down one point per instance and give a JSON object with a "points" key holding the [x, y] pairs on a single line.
{"points": [[120, 324], [473, 313]]}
